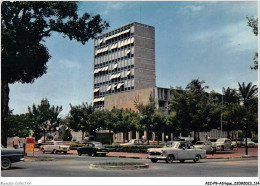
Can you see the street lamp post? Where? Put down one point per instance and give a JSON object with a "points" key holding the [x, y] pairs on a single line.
{"points": [[221, 116], [246, 125]]}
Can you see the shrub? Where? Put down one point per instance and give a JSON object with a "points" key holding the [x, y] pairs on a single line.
{"points": [[131, 148], [75, 146]]}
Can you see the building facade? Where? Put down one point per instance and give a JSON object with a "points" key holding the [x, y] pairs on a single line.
{"points": [[124, 61]]}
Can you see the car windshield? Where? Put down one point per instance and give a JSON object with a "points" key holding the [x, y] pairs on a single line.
{"points": [[199, 143], [220, 140], [60, 143], [171, 144], [98, 144]]}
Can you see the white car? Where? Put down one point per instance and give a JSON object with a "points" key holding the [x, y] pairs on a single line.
{"points": [[55, 147], [134, 142], [223, 143], [206, 145], [176, 150], [250, 143]]}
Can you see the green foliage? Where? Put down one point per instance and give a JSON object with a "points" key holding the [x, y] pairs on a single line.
{"points": [[253, 23], [44, 117], [146, 114], [78, 118], [26, 25], [49, 137], [131, 148], [67, 135], [18, 125], [76, 146]]}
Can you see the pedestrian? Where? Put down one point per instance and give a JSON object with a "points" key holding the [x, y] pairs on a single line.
{"points": [[16, 142]]}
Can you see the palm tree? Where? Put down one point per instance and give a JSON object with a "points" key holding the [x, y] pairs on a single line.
{"points": [[230, 95], [196, 84], [247, 92]]}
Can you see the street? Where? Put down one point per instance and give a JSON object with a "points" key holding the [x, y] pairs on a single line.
{"points": [[64, 165]]}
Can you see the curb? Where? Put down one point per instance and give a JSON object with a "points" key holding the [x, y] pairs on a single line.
{"points": [[93, 166]]}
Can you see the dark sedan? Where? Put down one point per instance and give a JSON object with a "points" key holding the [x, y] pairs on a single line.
{"points": [[93, 149], [9, 156]]}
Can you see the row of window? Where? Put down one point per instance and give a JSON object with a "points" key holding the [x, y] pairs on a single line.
{"points": [[111, 76], [116, 45], [129, 60], [121, 89], [114, 35], [117, 66], [113, 80], [113, 86], [125, 53]]}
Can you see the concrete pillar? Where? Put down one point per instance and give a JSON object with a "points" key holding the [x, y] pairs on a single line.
{"points": [[162, 136], [171, 136], [122, 136], [153, 136], [137, 134], [130, 134], [145, 135]]}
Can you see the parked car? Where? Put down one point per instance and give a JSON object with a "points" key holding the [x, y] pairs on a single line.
{"points": [[176, 150], [250, 143], [237, 143], [55, 147], [93, 149], [206, 145], [223, 143], [134, 142], [9, 156]]}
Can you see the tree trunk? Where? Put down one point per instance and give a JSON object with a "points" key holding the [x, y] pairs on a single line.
{"points": [[4, 112]]}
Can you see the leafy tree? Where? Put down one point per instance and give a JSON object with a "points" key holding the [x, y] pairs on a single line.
{"points": [[192, 107], [19, 125], [66, 135], [44, 118], [253, 23], [78, 118], [146, 114], [159, 123], [24, 29]]}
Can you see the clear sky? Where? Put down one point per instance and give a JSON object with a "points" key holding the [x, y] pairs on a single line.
{"points": [[206, 40]]}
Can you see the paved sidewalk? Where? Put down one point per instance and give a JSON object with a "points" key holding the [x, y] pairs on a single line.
{"points": [[227, 154]]}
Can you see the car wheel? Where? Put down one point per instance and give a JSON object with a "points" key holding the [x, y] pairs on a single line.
{"points": [[6, 163], [93, 154], [197, 159], [182, 161], [222, 148], [169, 158], [79, 153], [232, 147], [154, 160], [65, 152], [55, 151], [103, 155]]}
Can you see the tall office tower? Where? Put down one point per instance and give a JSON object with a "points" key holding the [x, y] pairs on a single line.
{"points": [[124, 61]]}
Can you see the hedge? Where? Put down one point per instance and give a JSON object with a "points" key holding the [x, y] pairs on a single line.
{"points": [[75, 146], [131, 148]]}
